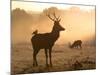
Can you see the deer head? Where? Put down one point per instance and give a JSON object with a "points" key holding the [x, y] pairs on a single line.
{"points": [[56, 20]]}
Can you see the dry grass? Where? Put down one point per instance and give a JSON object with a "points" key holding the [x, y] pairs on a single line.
{"points": [[63, 58]]}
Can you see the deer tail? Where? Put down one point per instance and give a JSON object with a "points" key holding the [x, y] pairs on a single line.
{"points": [[35, 32]]}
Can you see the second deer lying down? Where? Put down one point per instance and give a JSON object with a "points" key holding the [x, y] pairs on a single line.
{"points": [[76, 44], [46, 41]]}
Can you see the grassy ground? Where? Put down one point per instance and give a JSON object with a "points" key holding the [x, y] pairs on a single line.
{"points": [[63, 59]]}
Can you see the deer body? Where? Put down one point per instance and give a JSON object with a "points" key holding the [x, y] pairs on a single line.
{"points": [[76, 44], [46, 41]]}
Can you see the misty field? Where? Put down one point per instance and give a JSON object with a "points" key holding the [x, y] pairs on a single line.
{"points": [[63, 59]]}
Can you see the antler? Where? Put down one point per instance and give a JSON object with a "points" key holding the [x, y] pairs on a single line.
{"points": [[55, 18], [50, 17]]}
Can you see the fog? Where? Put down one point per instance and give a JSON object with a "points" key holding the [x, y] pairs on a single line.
{"points": [[79, 24]]}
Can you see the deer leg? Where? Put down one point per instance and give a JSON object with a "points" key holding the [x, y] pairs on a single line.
{"points": [[80, 46], [46, 57], [50, 50], [34, 58], [77, 46]]}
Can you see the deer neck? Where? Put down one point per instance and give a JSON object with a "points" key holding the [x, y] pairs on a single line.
{"points": [[55, 34]]}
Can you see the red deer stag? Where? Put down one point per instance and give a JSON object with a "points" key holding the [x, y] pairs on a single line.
{"points": [[76, 44], [46, 41]]}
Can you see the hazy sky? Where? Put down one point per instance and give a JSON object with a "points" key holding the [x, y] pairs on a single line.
{"points": [[40, 6], [88, 2]]}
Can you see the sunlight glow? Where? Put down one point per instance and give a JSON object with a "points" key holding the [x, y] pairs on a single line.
{"points": [[29, 6], [78, 20]]}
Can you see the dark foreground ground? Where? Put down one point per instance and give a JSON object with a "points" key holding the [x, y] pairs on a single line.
{"points": [[63, 59]]}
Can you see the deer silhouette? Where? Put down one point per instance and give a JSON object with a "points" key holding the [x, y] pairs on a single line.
{"points": [[46, 40], [76, 44]]}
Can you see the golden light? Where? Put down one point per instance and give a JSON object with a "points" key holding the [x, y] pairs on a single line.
{"points": [[79, 21]]}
